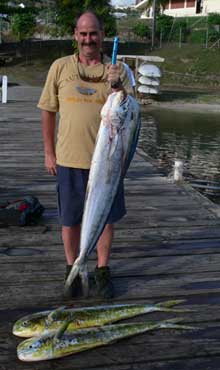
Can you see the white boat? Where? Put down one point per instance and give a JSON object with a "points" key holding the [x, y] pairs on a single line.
{"points": [[141, 58], [149, 70], [145, 89], [154, 81]]}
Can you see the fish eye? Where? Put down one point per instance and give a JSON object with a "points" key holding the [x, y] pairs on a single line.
{"points": [[25, 323]]}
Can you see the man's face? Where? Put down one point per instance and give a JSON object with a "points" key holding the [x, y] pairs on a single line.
{"points": [[89, 36]]}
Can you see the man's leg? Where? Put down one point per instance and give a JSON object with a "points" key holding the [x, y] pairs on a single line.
{"points": [[71, 239], [104, 285], [104, 245]]}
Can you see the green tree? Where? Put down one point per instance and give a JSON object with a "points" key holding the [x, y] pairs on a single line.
{"points": [[164, 25], [141, 29], [171, 28], [159, 3], [68, 10], [23, 25], [214, 26], [214, 18]]}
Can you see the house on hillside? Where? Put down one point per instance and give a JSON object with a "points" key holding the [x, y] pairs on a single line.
{"points": [[182, 8]]}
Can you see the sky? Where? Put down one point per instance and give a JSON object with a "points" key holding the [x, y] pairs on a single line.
{"points": [[123, 2]]}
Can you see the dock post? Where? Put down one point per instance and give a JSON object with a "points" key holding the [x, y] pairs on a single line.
{"points": [[178, 170], [4, 89]]}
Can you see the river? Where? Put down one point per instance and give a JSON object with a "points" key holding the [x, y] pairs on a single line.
{"points": [[194, 138]]}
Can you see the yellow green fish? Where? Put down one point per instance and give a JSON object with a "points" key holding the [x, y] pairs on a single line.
{"points": [[65, 342], [50, 321]]}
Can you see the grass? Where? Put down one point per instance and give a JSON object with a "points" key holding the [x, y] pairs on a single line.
{"points": [[190, 65]]}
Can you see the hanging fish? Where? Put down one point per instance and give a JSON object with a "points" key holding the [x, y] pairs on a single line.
{"points": [[115, 146]]}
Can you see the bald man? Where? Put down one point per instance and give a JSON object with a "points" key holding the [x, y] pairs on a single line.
{"points": [[77, 87]]}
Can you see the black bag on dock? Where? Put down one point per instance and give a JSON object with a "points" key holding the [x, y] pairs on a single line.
{"points": [[21, 212]]}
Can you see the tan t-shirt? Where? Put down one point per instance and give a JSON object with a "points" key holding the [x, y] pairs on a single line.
{"points": [[79, 104]]}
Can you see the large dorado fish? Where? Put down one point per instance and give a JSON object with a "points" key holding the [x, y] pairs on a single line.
{"points": [[45, 322], [65, 343], [115, 146]]}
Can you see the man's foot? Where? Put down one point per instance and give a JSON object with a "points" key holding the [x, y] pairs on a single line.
{"points": [[76, 287], [104, 285]]}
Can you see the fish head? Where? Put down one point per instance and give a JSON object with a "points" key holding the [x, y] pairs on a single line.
{"points": [[29, 326], [35, 349], [115, 109], [118, 98]]}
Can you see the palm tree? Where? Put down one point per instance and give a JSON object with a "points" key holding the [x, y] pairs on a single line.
{"points": [[156, 5], [160, 4]]}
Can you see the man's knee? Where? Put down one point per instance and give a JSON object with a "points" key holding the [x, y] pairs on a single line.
{"points": [[70, 230]]}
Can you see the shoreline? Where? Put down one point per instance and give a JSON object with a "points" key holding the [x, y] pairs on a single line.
{"points": [[196, 99], [185, 106], [184, 99]]}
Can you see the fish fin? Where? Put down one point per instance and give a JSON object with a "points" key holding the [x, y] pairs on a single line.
{"points": [[167, 306], [72, 275], [83, 273], [53, 314], [61, 331], [113, 145], [131, 150], [173, 324]]}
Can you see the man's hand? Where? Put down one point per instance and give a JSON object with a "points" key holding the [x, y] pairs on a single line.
{"points": [[50, 164], [114, 76], [48, 130]]}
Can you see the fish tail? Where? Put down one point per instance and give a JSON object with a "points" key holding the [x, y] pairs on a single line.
{"points": [[72, 275], [83, 273], [167, 306], [173, 324]]}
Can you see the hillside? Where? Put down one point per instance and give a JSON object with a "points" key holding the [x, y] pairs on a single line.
{"points": [[190, 66]]}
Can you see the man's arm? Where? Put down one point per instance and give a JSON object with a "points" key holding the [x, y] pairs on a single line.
{"points": [[48, 131], [118, 78], [114, 77]]}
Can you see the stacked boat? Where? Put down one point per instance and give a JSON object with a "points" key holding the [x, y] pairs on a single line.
{"points": [[149, 79]]}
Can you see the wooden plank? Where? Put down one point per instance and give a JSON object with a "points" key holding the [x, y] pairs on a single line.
{"points": [[42, 234], [163, 265], [157, 287], [22, 252], [167, 345]]}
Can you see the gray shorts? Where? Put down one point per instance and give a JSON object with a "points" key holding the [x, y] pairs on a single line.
{"points": [[71, 190]]}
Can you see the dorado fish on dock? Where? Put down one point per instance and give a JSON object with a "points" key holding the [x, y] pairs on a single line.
{"points": [[114, 149], [45, 322], [65, 343]]}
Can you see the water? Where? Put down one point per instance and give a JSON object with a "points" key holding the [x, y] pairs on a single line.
{"points": [[194, 138]]}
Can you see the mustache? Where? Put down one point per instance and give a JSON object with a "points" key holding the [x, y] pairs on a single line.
{"points": [[92, 43]]}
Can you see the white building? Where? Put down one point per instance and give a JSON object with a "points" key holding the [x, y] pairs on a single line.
{"points": [[182, 8]]}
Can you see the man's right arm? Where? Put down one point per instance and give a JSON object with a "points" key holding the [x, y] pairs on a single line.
{"points": [[48, 131]]}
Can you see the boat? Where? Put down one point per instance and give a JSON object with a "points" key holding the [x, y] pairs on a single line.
{"points": [[145, 89], [149, 70], [147, 75], [149, 81]]}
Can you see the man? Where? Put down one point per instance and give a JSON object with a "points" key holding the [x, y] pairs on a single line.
{"points": [[77, 86]]}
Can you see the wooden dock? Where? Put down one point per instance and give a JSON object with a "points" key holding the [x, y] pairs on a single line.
{"points": [[167, 247]]}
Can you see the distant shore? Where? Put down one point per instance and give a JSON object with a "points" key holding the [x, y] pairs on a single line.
{"points": [[192, 107], [185, 99]]}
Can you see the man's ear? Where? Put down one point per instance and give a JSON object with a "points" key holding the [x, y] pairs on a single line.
{"points": [[75, 35]]}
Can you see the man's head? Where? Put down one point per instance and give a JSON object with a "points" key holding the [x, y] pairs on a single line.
{"points": [[89, 35]]}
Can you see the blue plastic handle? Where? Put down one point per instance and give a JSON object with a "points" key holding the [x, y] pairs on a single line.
{"points": [[115, 50]]}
